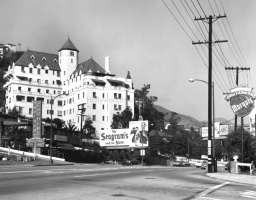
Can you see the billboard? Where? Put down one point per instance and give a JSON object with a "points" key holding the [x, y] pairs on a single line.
{"points": [[37, 119], [115, 137], [219, 129], [139, 133], [241, 100], [136, 136]]}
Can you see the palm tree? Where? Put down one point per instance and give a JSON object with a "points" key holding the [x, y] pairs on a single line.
{"points": [[70, 127]]}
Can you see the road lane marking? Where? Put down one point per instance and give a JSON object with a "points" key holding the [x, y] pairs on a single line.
{"points": [[208, 198], [211, 189], [102, 174]]}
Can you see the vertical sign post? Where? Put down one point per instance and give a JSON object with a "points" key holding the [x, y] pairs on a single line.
{"points": [[37, 121]]}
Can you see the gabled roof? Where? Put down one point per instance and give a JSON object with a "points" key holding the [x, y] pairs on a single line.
{"points": [[89, 65], [68, 46], [35, 58]]}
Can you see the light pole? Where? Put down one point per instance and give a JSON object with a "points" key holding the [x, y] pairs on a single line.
{"points": [[212, 119], [52, 98]]}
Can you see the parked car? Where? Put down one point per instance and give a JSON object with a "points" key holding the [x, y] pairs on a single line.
{"points": [[126, 162], [198, 164], [181, 164], [204, 165], [134, 162]]}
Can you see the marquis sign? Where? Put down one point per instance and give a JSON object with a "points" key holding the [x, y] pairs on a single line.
{"points": [[241, 100]]}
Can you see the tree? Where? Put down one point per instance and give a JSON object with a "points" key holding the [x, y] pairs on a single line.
{"points": [[122, 120], [233, 145], [70, 127], [88, 127], [58, 122], [147, 109], [18, 138]]}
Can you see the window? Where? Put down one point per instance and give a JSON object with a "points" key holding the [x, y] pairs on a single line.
{"points": [[59, 92], [38, 80], [39, 90], [59, 113], [23, 69], [54, 91], [52, 72], [70, 101], [38, 71], [64, 72], [94, 118], [115, 95], [30, 70], [46, 71], [128, 97], [64, 102], [103, 107], [29, 89], [30, 111], [46, 81], [58, 74], [70, 111], [115, 107], [120, 107], [19, 88], [59, 103], [119, 96], [71, 60], [103, 95], [47, 91], [83, 94], [49, 112], [53, 82], [77, 96], [94, 106], [94, 95], [64, 113], [72, 53], [103, 118]]}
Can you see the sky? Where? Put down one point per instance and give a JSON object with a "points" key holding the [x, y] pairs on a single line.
{"points": [[147, 39]]}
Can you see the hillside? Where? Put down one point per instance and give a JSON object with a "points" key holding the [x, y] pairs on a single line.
{"points": [[186, 121]]}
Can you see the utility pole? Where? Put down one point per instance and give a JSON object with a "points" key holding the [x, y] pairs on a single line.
{"points": [[237, 76], [210, 21]]}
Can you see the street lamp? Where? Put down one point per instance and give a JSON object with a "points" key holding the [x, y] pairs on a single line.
{"points": [[52, 98], [211, 137]]}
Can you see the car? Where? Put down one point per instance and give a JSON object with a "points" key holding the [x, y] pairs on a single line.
{"points": [[179, 164], [126, 162], [204, 165], [198, 164], [134, 162]]}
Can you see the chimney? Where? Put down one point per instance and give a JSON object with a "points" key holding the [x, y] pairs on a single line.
{"points": [[107, 64]]}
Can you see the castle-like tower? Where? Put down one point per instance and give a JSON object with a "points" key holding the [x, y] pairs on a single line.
{"points": [[68, 59]]}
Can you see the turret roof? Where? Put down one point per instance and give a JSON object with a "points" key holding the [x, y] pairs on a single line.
{"points": [[68, 45]]}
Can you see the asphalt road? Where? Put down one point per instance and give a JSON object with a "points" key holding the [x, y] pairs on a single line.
{"points": [[115, 182]]}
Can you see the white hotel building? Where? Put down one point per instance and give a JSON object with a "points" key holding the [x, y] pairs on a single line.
{"points": [[42, 76]]}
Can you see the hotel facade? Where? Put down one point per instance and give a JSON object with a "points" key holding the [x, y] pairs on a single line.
{"points": [[44, 76]]}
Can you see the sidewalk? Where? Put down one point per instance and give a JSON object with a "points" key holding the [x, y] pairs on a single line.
{"points": [[238, 178]]}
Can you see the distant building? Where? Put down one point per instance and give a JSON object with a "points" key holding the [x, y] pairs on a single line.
{"points": [[4, 48], [42, 76]]}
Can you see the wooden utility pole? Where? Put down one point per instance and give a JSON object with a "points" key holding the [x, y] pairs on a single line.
{"points": [[210, 21]]}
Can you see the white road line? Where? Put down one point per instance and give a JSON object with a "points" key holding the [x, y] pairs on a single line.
{"points": [[102, 174], [211, 189]]}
